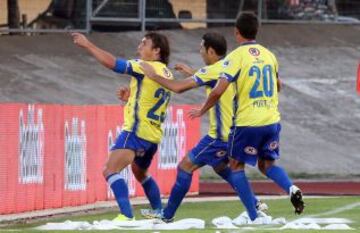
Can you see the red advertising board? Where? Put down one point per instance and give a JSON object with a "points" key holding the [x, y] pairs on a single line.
{"points": [[52, 156]]}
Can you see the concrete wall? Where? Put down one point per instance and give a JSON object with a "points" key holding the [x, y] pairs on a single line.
{"points": [[197, 9], [318, 63]]}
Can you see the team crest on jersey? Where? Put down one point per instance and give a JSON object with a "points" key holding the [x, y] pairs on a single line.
{"points": [[273, 145], [166, 73], [254, 51], [202, 71], [250, 150], [226, 63], [221, 153]]}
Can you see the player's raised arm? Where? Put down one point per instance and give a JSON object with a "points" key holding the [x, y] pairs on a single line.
{"points": [[177, 86], [213, 97], [105, 58]]}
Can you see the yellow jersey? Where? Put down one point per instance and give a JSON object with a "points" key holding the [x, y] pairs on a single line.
{"points": [[253, 70], [145, 110], [220, 115]]}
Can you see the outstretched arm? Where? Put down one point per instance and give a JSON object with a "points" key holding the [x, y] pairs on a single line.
{"points": [[177, 86], [105, 58], [213, 97], [185, 69]]}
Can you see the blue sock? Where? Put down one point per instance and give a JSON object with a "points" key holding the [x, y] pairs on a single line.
{"points": [[178, 192], [121, 192], [226, 175], [245, 193], [152, 192], [280, 177]]}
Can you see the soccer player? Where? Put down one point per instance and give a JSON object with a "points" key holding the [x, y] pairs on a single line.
{"points": [[143, 115], [211, 150], [254, 137]]}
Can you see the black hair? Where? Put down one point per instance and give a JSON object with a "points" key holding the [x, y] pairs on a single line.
{"points": [[216, 41], [247, 24]]}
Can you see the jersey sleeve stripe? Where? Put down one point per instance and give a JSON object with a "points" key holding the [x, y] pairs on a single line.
{"points": [[228, 77], [130, 71], [198, 80], [136, 107], [218, 120]]}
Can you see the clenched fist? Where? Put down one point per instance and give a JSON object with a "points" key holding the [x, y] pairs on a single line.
{"points": [[123, 94], [80, 40]]}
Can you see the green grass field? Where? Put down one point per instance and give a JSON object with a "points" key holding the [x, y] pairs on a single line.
{"points": [[316, 207]]}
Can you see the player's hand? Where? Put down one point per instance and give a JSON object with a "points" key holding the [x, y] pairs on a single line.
{"points": [[80, 40], [194, 113], [123, 93], [148, 70], [184, 69]]}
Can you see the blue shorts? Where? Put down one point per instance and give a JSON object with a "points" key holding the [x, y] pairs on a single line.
{"points": [[144, 150], [247, 144], [210, 152]]}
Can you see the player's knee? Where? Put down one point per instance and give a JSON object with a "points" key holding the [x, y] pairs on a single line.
{"points": [[109, 168], [268, 164], [140, 174], [236, 165], [140, 177], [106, 171], [264, 165], [261, 166], [187, 165], [220, 168]]}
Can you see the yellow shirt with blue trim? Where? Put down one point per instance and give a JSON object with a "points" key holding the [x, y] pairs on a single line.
{"points": [[220, 115], [146, 108], [253, 70]]}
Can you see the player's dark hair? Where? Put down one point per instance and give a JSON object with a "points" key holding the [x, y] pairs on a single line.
{"points": [[247, 24], [160, 41], [216, 41]]}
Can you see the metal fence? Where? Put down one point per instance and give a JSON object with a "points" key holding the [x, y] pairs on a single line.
{"points": [[22, 16]]}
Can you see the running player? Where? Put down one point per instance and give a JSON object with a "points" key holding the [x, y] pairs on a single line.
{"points": [[144, 113], [211, 150], [254, 137]]}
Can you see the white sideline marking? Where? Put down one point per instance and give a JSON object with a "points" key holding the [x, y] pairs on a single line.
{"points": [[183, 224], [337, 210], [313, 221], [309, 222]]}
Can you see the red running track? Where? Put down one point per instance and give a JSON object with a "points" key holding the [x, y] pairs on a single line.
{"points": [[269, 188]]}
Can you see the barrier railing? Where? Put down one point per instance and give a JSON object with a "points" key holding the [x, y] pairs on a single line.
{"points": [[55, 16]]}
